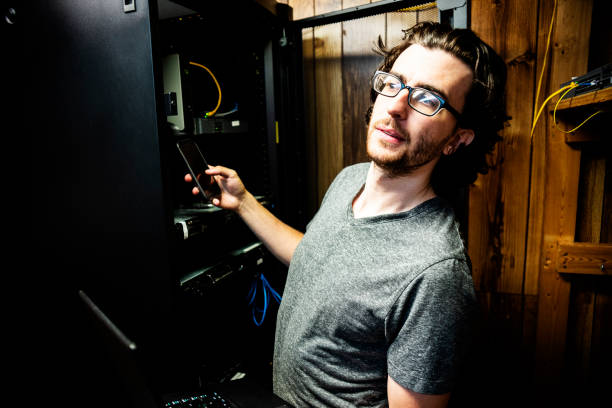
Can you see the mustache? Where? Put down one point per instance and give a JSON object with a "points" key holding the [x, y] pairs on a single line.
{"points": [[390, 123]]}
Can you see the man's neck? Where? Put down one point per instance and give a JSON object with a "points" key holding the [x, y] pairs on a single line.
{"points": [[384, 194]]}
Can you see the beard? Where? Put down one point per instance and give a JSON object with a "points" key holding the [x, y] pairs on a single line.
{"points": [[418, 151]]}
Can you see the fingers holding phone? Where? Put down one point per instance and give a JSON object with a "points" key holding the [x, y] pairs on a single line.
{"points": [[197, 165], [189, 179], [232, 190], [207, 182]]}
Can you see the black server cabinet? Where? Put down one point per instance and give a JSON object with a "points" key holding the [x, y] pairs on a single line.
{"points": [[108, 193]]}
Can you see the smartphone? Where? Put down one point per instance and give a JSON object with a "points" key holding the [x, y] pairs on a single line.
{"points": [[196, 163]]}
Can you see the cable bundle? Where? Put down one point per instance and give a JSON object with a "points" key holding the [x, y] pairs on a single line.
{"points": [[267, 291], [567, 88]]}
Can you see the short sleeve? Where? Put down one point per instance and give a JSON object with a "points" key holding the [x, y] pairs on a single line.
{"points": [[430, 327]]}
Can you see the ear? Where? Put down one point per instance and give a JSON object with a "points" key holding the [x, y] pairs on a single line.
{"points": [[461, 137]]}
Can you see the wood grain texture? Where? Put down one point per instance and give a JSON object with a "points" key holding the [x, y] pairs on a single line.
{"points": [[304, 9], [358, 63], [590, 98], [534, 257], [584, 258], [592, 192], [501, 197], [328, 89], [588, 355], [560, 191]]}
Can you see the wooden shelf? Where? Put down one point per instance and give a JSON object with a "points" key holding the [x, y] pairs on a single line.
{"points": [[602, 96], [572, 111], [585, 258]]}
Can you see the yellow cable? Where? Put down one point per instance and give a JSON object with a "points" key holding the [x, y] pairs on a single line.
{"points": [[566, 88], [555, 114], [552, 20], [418, 8], [574, 129], [212, 112], [570, 86]]}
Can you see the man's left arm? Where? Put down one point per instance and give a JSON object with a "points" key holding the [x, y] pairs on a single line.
{"points": [[400, 397], [435, 316]]}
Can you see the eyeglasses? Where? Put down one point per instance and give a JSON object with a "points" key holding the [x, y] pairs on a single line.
{"points": [[421, 100]]}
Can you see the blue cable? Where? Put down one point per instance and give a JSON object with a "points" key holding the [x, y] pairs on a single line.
{"points": [[267, 290], [274, 293]]}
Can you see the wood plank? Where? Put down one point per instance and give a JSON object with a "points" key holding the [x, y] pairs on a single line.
{"points": [[581, 108], [354, 3], [310, 120], [570, 37], [328, 89], [358, 64], [484, 221], [304, 9], [589, 332], [553, 305], [485, 214], [518, 48], [591, 200], [588, 99], [511, 31], [585, 258], [534, 257], [583, 136], [326, 6]]}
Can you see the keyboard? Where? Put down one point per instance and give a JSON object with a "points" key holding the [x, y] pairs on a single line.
{"points": [[200, 400]]}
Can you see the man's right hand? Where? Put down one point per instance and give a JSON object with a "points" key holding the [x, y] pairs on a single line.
{"points": [[277, 236], [233, 192]]}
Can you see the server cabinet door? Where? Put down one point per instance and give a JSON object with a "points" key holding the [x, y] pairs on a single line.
{"points": [[100, 216]]}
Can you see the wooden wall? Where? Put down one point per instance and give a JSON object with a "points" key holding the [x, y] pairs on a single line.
{"points": [[499, 204], [541, 329], [541, 322]]}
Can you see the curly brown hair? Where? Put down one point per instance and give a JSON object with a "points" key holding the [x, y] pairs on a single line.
{"points": [[485, 105]]}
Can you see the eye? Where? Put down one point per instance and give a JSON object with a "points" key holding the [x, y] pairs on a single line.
{"points": [[391, 84], [425, 98]]}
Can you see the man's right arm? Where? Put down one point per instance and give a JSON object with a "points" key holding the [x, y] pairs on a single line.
{"points": [[280, 239]]}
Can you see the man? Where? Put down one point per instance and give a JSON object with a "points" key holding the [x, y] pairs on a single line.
{"points": [[379, 303]]}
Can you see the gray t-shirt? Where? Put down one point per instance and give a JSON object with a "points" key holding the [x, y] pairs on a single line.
{"points": [[371, 297]]}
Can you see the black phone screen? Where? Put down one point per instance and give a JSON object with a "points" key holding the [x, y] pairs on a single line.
{"points": [[197, 165]]}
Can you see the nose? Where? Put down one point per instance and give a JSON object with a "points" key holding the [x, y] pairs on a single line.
{"points": [[398, 107]]}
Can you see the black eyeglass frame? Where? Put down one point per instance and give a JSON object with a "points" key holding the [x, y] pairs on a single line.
{"points": [[443, 103]]}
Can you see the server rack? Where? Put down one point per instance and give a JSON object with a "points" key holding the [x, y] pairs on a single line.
{"points": [[113, 215]]}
